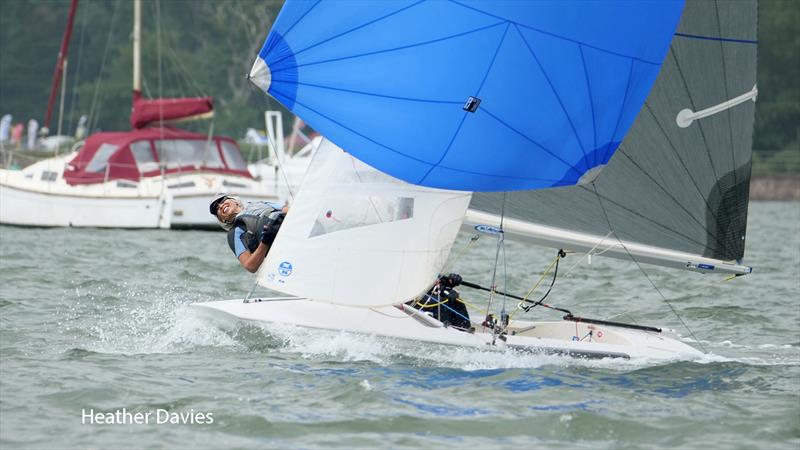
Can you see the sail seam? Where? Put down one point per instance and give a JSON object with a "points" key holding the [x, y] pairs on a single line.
{"points": [[350, 30], [611, 52], [727, 94], [591, 102], [575, 169], [403, 47], [654, 222], [699, 127], [713, 38], [622, 151], [288, 30], [372, 94], [553, 182], [464, 116], [553, 88], [683, 164], [619, 116]]}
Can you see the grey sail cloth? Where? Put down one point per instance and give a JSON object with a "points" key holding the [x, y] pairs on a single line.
{"points": [[683, 189]]}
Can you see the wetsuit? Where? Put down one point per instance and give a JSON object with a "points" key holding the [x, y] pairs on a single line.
{"points": [[248, 226]]}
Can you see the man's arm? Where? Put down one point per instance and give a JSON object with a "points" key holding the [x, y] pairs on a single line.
{"points": [[252, 261]]}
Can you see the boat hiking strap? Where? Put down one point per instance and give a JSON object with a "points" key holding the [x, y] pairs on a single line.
{"points": [[641, 269]]}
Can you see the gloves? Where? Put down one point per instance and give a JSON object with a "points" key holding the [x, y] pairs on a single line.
{"points": [[271, 229]]}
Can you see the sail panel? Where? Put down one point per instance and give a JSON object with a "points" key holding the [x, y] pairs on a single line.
{"points": [[355, 236], [684, 189], [482, 96]]}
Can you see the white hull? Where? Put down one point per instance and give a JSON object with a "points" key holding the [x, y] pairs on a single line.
{"points": [[391, 321], [39, 196]]}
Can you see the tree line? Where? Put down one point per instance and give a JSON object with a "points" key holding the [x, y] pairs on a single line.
{"points": [[204, 47]]}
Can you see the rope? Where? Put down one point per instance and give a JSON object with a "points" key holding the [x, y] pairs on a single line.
{"points": [[458, 256], [496, 258], [92, 116], [663, 298]]}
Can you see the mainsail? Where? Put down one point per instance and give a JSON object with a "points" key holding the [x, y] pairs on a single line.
{"points": [[670, 187], [469, 95]]}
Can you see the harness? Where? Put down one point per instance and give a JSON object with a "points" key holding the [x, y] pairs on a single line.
{"points": [[252, 220]]}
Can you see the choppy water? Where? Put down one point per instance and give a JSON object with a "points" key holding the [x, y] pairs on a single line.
{"points": [[99, 319]]}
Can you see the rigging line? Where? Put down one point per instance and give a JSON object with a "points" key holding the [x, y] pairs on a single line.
{"points": [[77, 76], [699, 123], [663, 298], [683, 163], [458, 256], [728, 112], [590, 252], [672, 197], [185, 72], [275, 148], [92, 117], [555, 92], [496, 258], [528, 27]]}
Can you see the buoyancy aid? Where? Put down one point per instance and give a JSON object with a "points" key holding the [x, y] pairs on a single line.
{"points": [[252, 221]]}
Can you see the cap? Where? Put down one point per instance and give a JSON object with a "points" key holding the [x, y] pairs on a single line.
{"points": [[219, 198]]}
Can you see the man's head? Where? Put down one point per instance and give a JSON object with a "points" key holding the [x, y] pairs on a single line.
{"points": [[225, 208]]}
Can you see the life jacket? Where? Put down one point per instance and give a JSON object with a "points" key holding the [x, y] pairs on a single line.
{"points": [[252, 221]]}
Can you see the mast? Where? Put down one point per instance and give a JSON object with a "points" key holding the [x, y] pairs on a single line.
{"points": [[60, 65], [137, 50]]}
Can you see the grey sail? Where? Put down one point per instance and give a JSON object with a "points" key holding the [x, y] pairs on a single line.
{"points": [[678, 188]]}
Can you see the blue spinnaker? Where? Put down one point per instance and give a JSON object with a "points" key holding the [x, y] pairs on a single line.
{"points": [[469, 95]]}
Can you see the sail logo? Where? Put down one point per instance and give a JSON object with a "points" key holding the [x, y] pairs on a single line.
{"points": [[488, 229], [285, 268]]}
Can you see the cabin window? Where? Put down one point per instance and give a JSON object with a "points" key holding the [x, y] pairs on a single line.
{"points": [[49, 175], [100, 159], [233, 156], [181, 153], [143, 155]]}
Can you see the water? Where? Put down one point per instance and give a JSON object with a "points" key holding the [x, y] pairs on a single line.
{"points": [[99, 319]]}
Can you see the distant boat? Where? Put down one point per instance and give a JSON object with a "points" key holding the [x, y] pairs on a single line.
{"points": [[154, 176], [609, 128]]}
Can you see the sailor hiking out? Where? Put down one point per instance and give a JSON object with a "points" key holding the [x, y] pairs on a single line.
{"points": [[251, 228]]}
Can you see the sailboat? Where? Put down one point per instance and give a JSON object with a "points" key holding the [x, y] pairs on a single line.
{"points": [[154, 176], [616, 129]]}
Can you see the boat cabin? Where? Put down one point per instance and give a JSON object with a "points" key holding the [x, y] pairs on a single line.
{"points": [[133, 155]]}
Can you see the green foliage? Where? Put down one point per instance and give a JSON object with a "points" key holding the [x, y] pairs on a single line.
{"points": [[778, 105], [189, 48]]}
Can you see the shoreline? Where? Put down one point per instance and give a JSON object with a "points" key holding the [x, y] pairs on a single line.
{"points": [[778, 186]]}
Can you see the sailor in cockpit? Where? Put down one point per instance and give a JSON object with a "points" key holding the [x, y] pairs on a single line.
{"points": [[251, 228]]}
